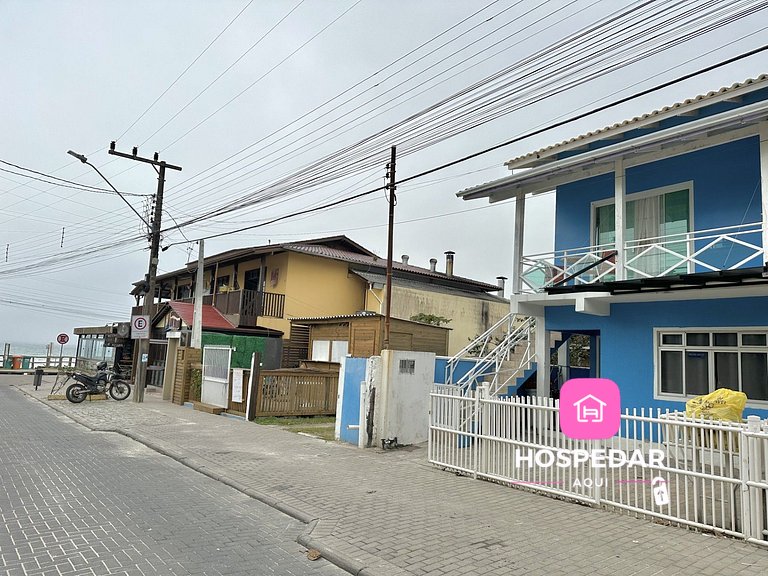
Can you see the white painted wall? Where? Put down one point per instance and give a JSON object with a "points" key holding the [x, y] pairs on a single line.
{"points": [[402, 399]]}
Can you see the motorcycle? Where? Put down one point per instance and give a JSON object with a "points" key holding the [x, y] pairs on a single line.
{"points": [[103, 381]]}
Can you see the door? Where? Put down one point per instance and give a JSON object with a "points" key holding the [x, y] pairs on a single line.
{"points": [[215, 388]]}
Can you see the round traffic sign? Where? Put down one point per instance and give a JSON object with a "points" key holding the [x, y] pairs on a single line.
{"points": [[139, 323], [62, 339]]}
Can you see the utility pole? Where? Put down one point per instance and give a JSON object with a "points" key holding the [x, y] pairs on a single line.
{"points": [[149, 296], [390, 237]]}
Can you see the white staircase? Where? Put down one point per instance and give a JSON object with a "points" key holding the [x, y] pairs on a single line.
{"points": [[497, 362]]}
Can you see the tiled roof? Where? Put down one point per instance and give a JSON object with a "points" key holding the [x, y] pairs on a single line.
{"points": [[212, 318], [377, 262], [638, 121]]}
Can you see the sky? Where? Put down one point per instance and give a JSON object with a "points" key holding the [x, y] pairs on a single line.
{"points": [[287, 105]]}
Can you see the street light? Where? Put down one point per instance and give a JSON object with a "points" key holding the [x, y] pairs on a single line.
{"points": [[84, 160]]}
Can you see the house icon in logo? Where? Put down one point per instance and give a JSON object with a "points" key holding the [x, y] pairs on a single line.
{"points": [[589, 409]]}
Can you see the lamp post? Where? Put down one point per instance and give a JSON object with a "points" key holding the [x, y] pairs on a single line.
{"points": [[149, 296]]}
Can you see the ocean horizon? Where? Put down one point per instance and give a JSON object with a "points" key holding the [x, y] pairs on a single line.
{"points": [[30, 349]]}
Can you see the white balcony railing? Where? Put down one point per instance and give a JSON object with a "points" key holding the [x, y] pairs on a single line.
{"points": [[712, 250]]}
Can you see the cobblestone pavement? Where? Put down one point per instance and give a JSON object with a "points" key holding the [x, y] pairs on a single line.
{"points": [[77, 502], [391, 513]]}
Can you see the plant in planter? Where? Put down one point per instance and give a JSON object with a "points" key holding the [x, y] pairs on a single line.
{"points": [[195, 384]]}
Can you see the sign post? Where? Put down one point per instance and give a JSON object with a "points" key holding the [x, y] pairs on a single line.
{"points": [[140, 332], [61, 339]]}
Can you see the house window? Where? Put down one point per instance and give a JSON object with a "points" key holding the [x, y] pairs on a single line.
{"points": [[698, 361], [329, 350], [648, 217], [222, 284], [252, 280]]}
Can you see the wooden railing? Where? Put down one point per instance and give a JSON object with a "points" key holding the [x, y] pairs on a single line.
{"points": [[249, 304], [296, 393]]}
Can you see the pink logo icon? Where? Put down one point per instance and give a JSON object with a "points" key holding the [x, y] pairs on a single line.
{"points": [[590, 408]]}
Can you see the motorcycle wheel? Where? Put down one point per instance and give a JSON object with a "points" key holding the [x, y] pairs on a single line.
{"points": [[120, 390], [76, 393]]}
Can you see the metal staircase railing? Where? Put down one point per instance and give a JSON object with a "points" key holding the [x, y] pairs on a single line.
{"points": [[493, 360]]}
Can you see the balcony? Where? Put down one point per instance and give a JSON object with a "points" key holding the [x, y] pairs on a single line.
{"points": [[712, 250], [249, 305]]}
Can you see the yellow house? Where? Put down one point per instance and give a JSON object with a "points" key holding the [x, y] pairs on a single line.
{"points": [[267, 286]]}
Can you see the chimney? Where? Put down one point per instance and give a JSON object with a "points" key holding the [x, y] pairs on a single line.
{"points": [[501, 281], [404, 258], [433, 264], [449, 263]]}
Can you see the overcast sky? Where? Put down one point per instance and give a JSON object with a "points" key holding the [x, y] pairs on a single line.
{"points": [[243, 113]]}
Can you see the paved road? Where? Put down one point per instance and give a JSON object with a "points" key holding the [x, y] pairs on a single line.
{"points": [[389, 513], [79, 502]]}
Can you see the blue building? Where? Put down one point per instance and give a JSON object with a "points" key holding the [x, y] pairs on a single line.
{"points": [[661, 229]]}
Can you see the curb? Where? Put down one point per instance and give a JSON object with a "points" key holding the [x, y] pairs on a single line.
{"points": [[343, 561]]}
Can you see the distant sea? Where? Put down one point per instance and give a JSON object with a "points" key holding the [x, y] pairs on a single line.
{"points": [[26, 349]]}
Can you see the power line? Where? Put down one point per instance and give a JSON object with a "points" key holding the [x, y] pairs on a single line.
{"points": [[172, 84], [498, 146], [227, 69]]}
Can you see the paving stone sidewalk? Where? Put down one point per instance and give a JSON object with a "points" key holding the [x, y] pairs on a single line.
{"points": [[391, 513]]}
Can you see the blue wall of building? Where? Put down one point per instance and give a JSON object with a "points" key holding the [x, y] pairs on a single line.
{"points": [[626, 338], [725, 178], [354, 374]]}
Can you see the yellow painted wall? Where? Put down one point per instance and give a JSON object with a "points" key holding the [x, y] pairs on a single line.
{"points": [[276, 269], [466, 313], [313, 286]]}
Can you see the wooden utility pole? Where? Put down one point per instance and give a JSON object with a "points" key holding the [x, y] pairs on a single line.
{"points": [[390, 237], [149, 296]]}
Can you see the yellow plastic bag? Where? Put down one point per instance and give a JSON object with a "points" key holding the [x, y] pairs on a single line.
{"points": [[722, 404]]}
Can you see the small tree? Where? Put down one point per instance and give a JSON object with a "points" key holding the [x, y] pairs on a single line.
{"points": [[430, 319]]}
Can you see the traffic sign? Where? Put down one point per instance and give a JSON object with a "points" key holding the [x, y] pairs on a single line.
{"points": [[62, 339], [139, 327]]}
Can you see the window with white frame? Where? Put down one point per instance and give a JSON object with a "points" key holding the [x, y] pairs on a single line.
{"points": [[691, 362], [329, 350]]}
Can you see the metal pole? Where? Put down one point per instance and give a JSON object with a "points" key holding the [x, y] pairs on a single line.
{"points": [[390, 238]]}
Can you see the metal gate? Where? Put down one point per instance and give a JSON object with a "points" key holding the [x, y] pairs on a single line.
{"points": [[215, 388]]}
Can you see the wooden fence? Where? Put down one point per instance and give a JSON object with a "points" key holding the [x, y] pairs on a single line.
{"points": [[296, 392], [185, 358]]}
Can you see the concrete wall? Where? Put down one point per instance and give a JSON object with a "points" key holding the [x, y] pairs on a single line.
{"points": [[725, 180], [626, 338], [469, 316], [402, 399]]}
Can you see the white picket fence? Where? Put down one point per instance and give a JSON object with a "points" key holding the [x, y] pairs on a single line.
{"points": [[707, 474]]}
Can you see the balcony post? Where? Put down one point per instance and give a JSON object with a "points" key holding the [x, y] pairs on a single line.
{"points": [[517, 245], [764, 187], [619, 192]]}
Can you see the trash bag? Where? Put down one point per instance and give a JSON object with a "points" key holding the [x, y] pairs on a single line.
{"points": [[722, 404]]}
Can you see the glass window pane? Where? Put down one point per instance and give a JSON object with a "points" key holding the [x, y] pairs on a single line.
{"points": [[672, 339], [753, 340], [321, 350], [697, 373], [671, 372], [605, 224], [697, 339], [754, 375], [338, 350], [727, 370], [725, 339]]}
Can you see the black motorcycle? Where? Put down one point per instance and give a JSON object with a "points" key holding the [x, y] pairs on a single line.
{"points": [[103, 381]]}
